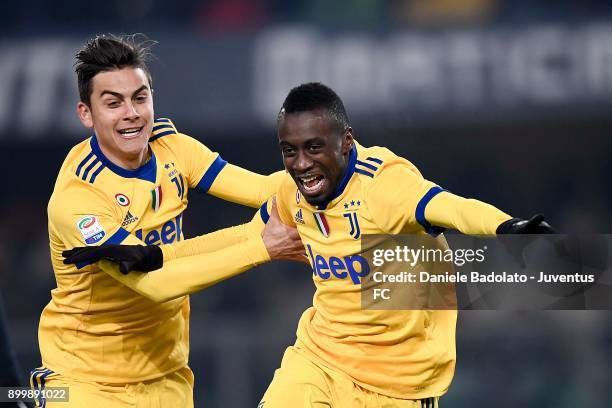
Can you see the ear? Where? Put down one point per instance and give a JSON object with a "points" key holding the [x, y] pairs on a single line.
{"points": [[84, 113], [347, 140]]}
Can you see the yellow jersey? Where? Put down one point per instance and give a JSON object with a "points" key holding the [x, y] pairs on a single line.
{"points": [[95, 328], [401, 354]]}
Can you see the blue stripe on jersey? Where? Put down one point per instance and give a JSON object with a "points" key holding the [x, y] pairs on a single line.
{"points": [[420, 212], [162, 134], [147, 171], [95, 173], [211, 174], [350, 170], [163, 126], [117, 238], [162, 120], [367, 173], [374, 159], [81, 164], [88, 169], [367, 165], [263, 212]]}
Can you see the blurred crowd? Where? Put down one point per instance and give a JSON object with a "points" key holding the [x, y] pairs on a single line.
{"points": [[230, 16]]}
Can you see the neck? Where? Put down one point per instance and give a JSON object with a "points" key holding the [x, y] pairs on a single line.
{"points": [[128, 163]]}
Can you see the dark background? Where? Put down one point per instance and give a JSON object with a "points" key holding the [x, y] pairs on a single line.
{"points": [[518, 116]]}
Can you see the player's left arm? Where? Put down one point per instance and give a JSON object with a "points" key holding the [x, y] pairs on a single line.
{"points": [[195, 267], [470, 216], [182, 276], [475, 217], [419, 201]]}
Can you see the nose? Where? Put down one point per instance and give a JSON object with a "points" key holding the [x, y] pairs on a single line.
{"points": [[130, 111], [302, 162]]}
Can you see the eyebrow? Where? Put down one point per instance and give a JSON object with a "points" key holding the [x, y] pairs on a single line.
{"points": [[118, 95]]}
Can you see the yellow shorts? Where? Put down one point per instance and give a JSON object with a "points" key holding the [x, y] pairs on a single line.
{"points": [[301, 383], [172, 390]]}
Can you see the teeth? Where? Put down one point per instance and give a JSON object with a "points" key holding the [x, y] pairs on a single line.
{"points": [[308, 180], [313, 188], [129, 132]]}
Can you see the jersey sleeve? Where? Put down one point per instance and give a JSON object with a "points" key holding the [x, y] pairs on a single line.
{"points": [[200, 165], [262, 216], [208, 172], [214, 241], [397, 196], [244, 187], [466, 215], [184, 275], [420, 202], [282, 206]]}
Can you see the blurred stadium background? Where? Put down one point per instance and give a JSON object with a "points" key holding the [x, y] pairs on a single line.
{"points": [[507, 101]]}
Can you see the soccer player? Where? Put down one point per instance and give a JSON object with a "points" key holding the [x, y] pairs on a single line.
{"points": [[345, 356], [128, 183]]}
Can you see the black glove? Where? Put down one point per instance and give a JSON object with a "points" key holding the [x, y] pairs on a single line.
{"points": [[516, 246], [129, 257], [534, 225]]}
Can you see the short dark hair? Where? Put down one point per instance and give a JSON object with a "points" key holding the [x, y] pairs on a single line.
{"points": [[315, 95], [107, 53]]}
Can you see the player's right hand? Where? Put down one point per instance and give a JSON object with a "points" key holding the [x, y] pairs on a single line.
{"points": [[129, 257], [282, 241]]}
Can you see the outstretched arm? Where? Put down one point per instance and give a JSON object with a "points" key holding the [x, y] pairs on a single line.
{"points": [[475, 217], [207, 172], [245, 187], [434, 209], [466, 215], [187, 274]]}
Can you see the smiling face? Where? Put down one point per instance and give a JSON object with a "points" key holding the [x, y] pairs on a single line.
{"points": [[315, 152], [121, 114]]}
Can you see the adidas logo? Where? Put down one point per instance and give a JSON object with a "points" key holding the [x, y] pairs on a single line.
{"points": [[129, 218], [298, 217]]}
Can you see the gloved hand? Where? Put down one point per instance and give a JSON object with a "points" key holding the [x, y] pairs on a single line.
{"points": [[534, 225], [129, 257], [518, 226]]}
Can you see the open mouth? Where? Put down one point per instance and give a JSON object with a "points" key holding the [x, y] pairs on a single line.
{"points": [[312, 184], [130, 133]]}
